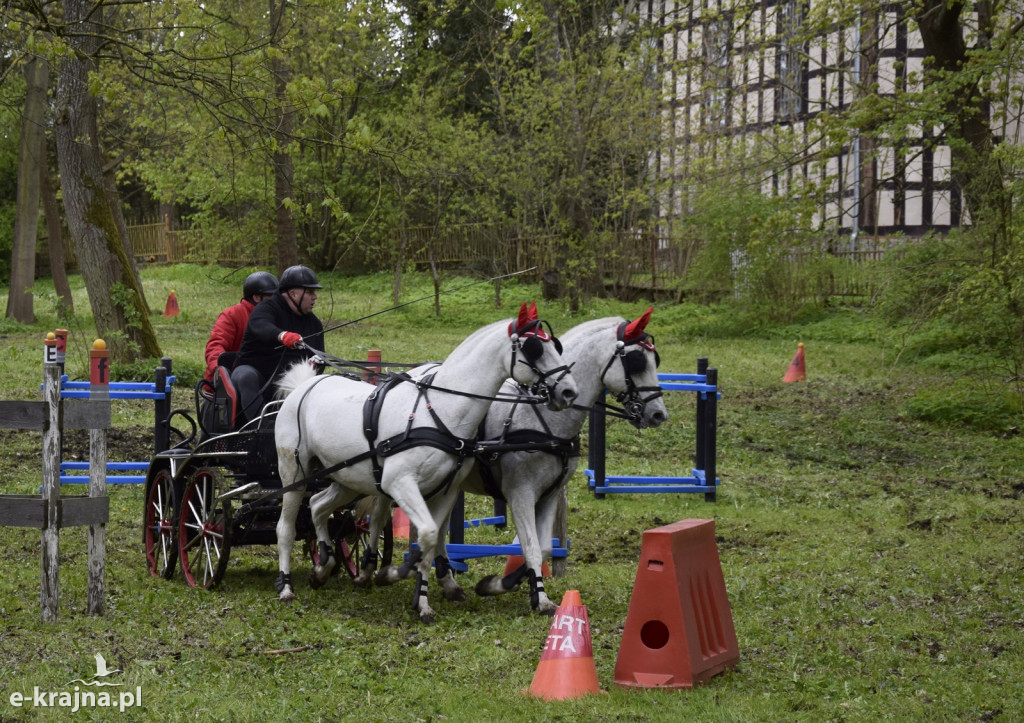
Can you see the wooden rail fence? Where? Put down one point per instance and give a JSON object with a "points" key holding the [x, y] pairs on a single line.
{"points": [[643, 263], [50, 512]]}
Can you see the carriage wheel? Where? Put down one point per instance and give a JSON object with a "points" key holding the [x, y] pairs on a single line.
{"points": [[158, 526], [204, 528], [356, 540]]}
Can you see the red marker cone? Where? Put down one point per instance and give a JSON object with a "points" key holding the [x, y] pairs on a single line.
{"points": [[797, 371], [566, 668], [172, 305], [400, 524], [515, 561]]}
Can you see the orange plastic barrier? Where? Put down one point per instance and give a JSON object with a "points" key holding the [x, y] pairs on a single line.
{"points": [[679, 627]]}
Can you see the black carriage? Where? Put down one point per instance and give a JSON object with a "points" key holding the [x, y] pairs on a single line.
{"points": [[204, 497]]}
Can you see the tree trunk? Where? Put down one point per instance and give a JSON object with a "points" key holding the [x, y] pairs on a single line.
{"points": [[54, 234], [26, 222], [284, 174], [92, 207], [978, 175]]}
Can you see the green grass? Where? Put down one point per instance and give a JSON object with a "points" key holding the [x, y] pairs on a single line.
{"points": [[872, 556]]}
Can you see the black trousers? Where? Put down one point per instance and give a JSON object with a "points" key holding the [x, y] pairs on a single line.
{"points": [[249, 386]]}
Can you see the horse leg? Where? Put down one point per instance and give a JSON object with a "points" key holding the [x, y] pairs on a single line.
{"points": [[451, 589], [521, 506], [539, 549], [321, 505], [379, 514], [290, 504], [405, 491]]}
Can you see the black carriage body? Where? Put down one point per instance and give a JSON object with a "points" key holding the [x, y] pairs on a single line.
{"points": [[247, 461], [227, 492]]}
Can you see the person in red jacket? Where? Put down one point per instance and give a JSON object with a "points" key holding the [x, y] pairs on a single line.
{"points": [[229, 328]]}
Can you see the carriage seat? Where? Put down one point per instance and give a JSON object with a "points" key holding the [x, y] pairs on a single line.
{"points": [[218, 402]]}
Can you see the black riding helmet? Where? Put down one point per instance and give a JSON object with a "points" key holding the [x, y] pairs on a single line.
{"points": [[296, 276], [259, 282]]}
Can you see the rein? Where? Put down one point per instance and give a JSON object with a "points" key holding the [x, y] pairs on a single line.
{"points": [[532, 440], [372, 368], [438, 436]]}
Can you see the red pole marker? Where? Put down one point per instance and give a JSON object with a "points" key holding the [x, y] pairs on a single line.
{"points": [[797, 371], [99, 370], [62, 344], [171, 309]]}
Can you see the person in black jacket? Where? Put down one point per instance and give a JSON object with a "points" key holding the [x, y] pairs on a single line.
{"points": [[274, 338]]}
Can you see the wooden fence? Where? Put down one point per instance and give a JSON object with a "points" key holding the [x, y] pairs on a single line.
{"points": [[51, 512], [631, 263], [158, 242]]}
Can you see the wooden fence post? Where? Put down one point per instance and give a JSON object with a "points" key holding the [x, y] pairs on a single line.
{"points": [[99, 389], [52, 423]]}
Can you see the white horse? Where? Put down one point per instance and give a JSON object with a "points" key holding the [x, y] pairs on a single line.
{"points": [[406, 439], [608, 353]]}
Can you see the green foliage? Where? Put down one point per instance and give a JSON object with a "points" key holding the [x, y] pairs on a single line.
{"points": [[968, 403], [944, 295], [7, 214], [10, 120], [752, 247]]}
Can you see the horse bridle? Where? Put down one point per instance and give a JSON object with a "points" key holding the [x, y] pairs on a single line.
{"points": [[633, 362], [529, 342]]}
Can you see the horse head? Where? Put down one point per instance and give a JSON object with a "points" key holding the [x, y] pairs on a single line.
{"points": [[537, 359], [636, 388]]}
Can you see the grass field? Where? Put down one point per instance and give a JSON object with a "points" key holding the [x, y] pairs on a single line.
{"points": [[873, 560]]}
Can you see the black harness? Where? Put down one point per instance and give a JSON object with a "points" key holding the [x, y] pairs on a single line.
{"points": [[526, 342], [633, 362], [438, 437], [523, 440]]}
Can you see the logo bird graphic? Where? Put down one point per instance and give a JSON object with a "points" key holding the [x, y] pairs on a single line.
{"points": [[101, 672]]}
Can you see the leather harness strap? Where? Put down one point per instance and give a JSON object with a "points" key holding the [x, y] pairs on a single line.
{"points": [[438, 436], [523, 440]]}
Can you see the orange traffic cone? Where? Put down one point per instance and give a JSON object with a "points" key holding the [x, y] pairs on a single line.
{"points": [[514, 562], [172, 305], [566, 668], [797, 371], [400, 524]]}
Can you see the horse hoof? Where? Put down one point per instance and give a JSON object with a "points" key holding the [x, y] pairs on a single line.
{"points": [[286, 595], [456, 595], [324, 571], [315, 582], [487, 587], [427, 618], [547, 609], [386, 576], [362, 581]]}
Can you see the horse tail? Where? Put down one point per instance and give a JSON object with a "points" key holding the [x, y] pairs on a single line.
{"points": [[296, 375]]}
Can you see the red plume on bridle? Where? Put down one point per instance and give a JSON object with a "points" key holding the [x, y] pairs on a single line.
{"points": [[635, 329], [527, 323], [521, 321]]}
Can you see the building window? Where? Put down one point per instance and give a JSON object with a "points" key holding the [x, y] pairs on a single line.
{"points": [[717, 42], [790, 60]]}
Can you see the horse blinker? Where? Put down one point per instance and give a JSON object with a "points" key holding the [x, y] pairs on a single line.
{"points": [[533, 349], [635, 362]]}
